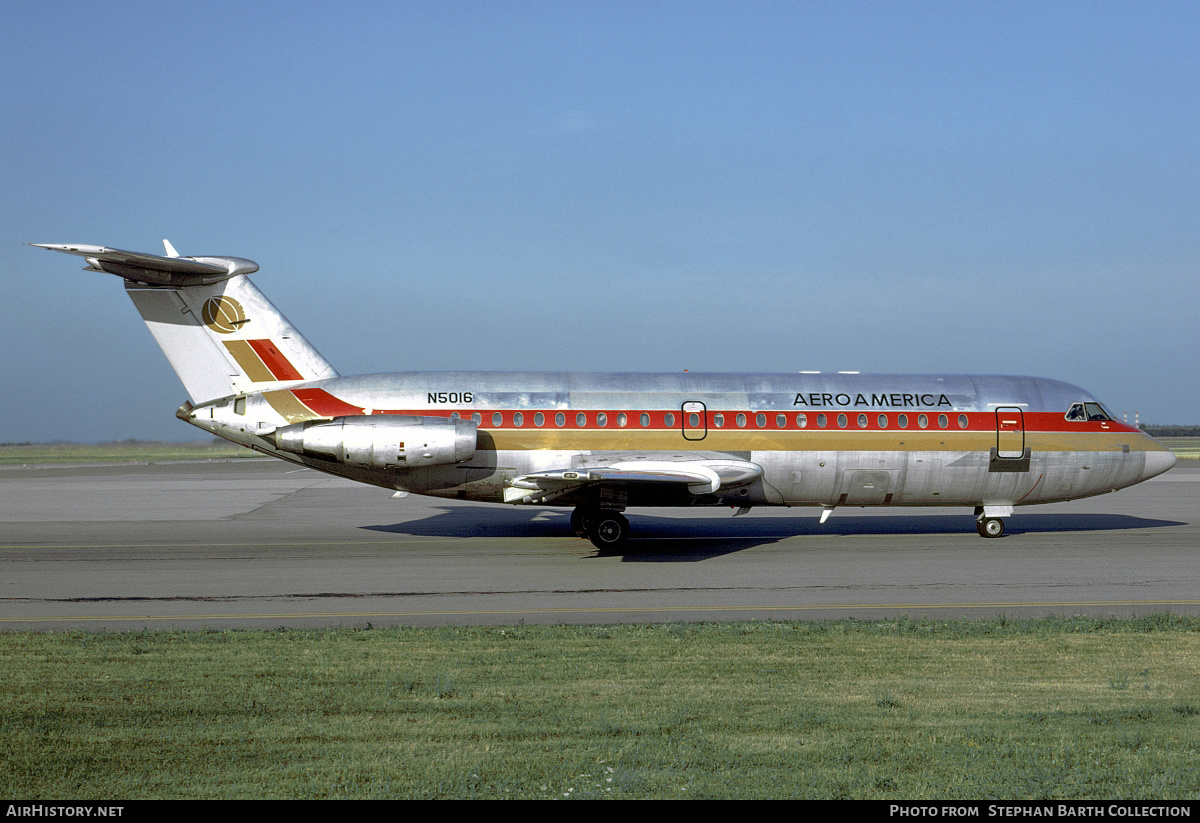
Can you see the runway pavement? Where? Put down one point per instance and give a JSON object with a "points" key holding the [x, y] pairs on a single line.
{"points": [[259, 543]]}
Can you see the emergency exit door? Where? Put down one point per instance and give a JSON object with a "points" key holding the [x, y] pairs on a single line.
{"points": [[695, 420]]}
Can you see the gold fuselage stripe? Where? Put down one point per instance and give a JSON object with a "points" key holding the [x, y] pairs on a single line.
{"points": [[288, 407], [827, 440]]}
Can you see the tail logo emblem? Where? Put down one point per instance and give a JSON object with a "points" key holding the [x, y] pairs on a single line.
{"points": [[224, 315]]}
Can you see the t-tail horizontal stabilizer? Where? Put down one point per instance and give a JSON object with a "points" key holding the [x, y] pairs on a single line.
{"points": [[221, 335], [140, 267]]}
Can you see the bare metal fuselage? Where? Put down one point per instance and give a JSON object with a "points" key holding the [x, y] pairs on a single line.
{"points": [[820, 440]]}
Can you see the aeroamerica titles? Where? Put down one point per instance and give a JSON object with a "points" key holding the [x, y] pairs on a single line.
{"points": [[818, 400]]}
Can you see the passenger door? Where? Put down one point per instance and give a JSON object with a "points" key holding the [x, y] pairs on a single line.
{"points": [[1010, 432]]}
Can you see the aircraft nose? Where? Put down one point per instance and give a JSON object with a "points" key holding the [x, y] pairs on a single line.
{"points": [[1158, 462]]}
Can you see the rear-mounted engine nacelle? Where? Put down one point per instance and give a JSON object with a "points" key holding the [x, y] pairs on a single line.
{"points": [[383, 442]]}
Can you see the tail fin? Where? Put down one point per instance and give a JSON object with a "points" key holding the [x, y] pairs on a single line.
{"points": [[221, 335]]}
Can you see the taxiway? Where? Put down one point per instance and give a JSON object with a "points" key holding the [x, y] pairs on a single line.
{"points": [[258, 543]]}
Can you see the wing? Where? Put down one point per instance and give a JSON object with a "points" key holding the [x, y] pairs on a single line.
{"points": [[697, 476]]}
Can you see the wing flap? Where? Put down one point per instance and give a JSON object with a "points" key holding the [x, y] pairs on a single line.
{"points": [[699, 476], [552, 480]]}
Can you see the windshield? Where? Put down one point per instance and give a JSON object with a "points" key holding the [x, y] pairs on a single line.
{"points": [[1088, 411]]}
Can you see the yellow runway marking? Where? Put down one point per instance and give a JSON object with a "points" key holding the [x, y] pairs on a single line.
{"points": [[615, 610]]}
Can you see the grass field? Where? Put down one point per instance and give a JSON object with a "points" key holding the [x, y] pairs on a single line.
{"points": [[1185, 448], [898, 709], [126, 451]]}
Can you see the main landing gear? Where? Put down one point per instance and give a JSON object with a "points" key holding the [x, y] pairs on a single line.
{"points": [[608, 530]]}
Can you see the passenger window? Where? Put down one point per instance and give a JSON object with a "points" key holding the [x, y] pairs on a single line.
{"points": [[644, 420], [669, 419], [761, 420], [741, 421], [477, 418], [497, 419], [882, 421], [719, 420], [922, 420], [581, 420], [841, 421], [902, 420], [801, 420], [822, 421], [602, 419], [539, 419], [560, 419], [962, 421], [862, 421], [622, 420], [942, 421], [518, 419]]}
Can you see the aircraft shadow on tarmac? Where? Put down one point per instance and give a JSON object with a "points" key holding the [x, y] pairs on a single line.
{"points": [[691, 539]]}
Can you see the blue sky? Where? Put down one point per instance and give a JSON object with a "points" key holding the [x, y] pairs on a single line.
{"points": [[647, 186]]}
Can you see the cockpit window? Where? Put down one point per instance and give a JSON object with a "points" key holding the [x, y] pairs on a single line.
{"points": [[1087, 411]]}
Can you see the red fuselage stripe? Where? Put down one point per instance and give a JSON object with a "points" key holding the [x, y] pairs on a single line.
{"points": [[326, 405]]}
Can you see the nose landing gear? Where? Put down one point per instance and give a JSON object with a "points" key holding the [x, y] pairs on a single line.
{"points": [[989, 520], [989, 527]]}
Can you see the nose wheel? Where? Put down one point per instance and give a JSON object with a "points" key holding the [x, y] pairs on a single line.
{"points": [[990, 526]]}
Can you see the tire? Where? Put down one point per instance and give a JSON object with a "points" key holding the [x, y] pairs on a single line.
{"points": [[608, 531], [579, 520], [990, 527]]}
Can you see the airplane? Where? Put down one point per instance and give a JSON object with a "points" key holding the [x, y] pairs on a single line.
{"points": [[601, 443]]}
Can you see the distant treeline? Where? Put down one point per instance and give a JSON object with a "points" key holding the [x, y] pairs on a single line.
{"points": [[1172, 431]]}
